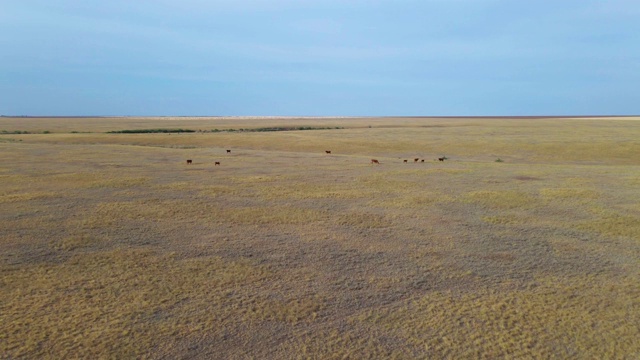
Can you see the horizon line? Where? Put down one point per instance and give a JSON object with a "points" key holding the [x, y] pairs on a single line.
{"points": [[322, 117]]}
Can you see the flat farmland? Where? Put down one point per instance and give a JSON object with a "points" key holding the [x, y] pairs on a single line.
{"points": [[523, 243]]}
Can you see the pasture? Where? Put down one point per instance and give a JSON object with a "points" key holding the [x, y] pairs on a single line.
{"points": [[523, 242]]}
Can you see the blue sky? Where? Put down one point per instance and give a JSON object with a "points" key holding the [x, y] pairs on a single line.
{"points": [[319, 58]]}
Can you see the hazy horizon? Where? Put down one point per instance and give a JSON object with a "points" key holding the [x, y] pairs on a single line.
{"points": [[266, 117]]}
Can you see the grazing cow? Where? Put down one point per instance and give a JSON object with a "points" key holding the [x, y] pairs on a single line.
{"points": [[328, 151], [216, 163], [228, 151], [189, 161], [441, 159], [405, 161], [375, 161], [416, 159], [422, 160]]}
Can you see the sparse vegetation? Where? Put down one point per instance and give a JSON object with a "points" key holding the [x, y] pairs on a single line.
{"points": [[260, 129], [279, 128], [14, 132], [151, 131], [109, 249]]}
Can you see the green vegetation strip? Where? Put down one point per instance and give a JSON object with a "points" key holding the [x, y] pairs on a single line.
{"points": [[21, 132], [145, 131], [286, 128], [283, 128]]}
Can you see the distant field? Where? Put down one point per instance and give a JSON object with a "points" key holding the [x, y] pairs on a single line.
{"points": [[523, 243]]}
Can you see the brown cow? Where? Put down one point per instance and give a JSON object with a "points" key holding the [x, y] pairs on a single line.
{"points": [[441, 159], [422, 160], [416, 159], [189, 161], [228, 151], [328, 151], [375, 161], [405, 161], [216, 163]]}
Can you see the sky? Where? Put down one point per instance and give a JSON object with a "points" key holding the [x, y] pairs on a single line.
{"points": [[319, 57]]}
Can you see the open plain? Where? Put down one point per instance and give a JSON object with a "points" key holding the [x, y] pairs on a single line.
{"points": [[523, 243]]}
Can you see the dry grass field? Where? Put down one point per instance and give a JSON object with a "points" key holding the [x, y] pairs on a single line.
{"points": [[524, 243]]}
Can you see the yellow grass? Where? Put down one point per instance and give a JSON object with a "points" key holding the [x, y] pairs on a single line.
{"points": [[111, 246], [554, 318], [506, 199], [120, 302], [615, 225]]}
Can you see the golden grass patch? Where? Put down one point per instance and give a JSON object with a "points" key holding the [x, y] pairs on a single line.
{"points": [[576, 317], [218, 190], [563, 246], [21, 184], [506, 219], [301, 191], [449, 171], [632, 180], [362, 219], [99, 180], [121, 302], [76, 241], [77, 178], [11, 178], [502, 199], [569, 193], [260, 178], [304, 309], [120, 182], [28, 196], [533, 173], [113, 214], [614, 225], [335, 344], [176, 185], [276, 215], [409, 200], [387, 183]]}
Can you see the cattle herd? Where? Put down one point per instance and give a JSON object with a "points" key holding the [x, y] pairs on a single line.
{"points": [[373, 161], [415, 160]]}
